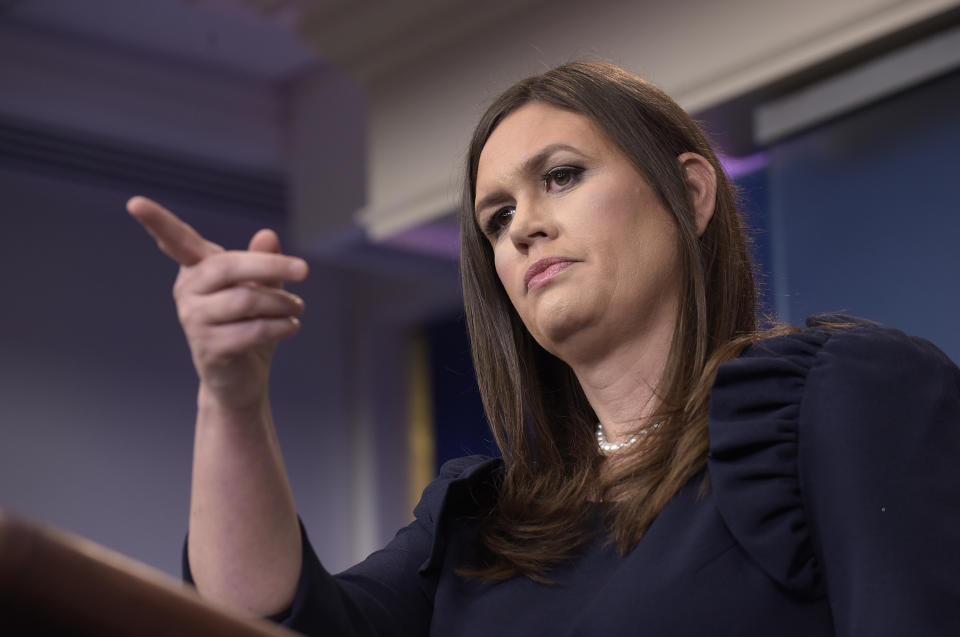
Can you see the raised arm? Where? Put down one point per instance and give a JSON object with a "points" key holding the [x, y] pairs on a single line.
{"points": [[244, 543]]}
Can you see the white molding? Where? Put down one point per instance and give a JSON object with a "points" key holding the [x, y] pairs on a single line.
{"points": [[384, 221], [805, 52], [877, 79]]}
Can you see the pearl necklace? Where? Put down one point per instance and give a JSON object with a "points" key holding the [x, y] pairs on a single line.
{"points": [[613, 447]]}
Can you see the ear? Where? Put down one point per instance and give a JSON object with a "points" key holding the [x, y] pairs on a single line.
{"points": [[701, 181]]}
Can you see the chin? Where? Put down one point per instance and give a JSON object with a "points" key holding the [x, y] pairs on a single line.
{"points": [[556, 336]]}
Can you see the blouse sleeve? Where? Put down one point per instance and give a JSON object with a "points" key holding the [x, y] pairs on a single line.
{"points": [[391, 592], [834, 457], [879, 450]]}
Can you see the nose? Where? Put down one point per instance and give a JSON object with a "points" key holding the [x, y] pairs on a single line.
{"points": [[532, 221]]}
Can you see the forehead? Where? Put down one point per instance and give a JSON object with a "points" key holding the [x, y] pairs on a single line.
{"points": [[527, 130]]}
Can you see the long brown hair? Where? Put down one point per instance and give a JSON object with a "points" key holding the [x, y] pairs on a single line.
{"points": [[538, 412]]}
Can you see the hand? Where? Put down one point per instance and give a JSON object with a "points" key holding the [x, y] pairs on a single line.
{"points": [[230, 303]]}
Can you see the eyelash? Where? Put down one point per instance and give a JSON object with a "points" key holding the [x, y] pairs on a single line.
{"points": [[570, 171], [493, 228]]}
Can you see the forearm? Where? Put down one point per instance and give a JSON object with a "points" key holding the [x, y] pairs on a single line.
{"points": [[244, 544]]}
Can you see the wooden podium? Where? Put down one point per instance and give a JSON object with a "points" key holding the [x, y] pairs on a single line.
{"points": [[55, 583]]}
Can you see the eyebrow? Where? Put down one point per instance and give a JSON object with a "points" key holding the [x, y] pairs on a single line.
{"points": [[532, 165]]}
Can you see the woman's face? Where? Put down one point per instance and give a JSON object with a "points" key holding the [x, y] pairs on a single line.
{"points": [[584, 248]]}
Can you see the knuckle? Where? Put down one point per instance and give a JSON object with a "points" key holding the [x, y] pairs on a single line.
{"points": [[202, 353], [212, 269], [182, 284], [222, 267], [243, 301], [186, 312], [260, 330]]}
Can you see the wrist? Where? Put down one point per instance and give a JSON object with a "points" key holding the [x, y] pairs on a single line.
{"points": [[213, 404]]}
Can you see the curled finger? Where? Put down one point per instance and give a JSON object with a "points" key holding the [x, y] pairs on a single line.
{"points": [[245, 302], [238, 337], [240, 267]]}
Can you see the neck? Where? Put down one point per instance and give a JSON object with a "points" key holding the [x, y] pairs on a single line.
{"points": [[621, 383]]}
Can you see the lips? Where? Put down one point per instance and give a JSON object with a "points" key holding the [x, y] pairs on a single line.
{"points": [[542, 271]]}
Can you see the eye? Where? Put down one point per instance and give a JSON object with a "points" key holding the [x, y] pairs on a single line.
{"points": [[561, 177], [499, 221]]}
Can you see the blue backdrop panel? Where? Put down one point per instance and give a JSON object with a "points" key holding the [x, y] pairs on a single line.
{"points": [[865, 211], [460, 426], [753, 206]]}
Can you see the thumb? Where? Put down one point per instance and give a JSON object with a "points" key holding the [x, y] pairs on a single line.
{"points": [[265, 240]]}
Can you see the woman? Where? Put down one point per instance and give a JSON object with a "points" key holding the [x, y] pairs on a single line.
{"points": [[610, 303]]}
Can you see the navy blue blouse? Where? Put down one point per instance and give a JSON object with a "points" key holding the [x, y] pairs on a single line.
{"points": [[833, 510]]}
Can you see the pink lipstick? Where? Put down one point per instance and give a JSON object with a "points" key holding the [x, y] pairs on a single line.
{"points": [[542, 271]]}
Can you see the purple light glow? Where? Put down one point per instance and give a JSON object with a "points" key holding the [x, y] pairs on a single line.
{"points": [[737, 167], [433, 239]]}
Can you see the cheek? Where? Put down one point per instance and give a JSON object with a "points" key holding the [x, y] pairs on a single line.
{"points": [[641, 242], [499, 267], [657, 260], [504, 273]]}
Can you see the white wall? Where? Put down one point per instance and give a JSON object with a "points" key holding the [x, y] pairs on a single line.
{"points": [[701, 52]]}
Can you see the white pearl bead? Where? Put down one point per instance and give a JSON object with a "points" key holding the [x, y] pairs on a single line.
{"points": [[611, 447]]}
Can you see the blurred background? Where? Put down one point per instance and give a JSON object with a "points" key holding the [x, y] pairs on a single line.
{"points": [[343, 124]]}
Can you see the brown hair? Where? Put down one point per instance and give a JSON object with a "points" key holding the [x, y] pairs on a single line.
{"points": [[539, 415]]}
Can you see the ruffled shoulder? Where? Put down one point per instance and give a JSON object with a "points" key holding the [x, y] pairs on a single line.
{"points": [[755, 420], [754, 411], [465, 486]]}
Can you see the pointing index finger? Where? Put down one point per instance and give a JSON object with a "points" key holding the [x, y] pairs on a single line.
{"points": [[175, 238]]}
